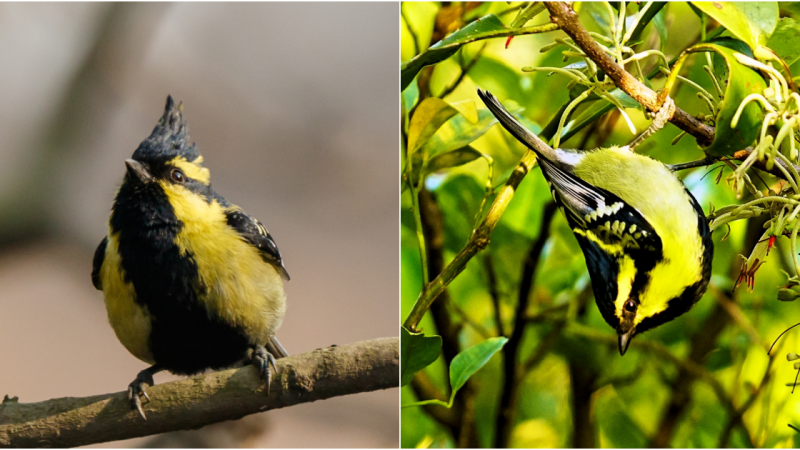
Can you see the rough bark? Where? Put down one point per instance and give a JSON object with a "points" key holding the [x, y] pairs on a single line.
{"points": [[204, 399]]}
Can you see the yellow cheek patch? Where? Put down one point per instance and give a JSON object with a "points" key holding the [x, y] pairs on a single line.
{"points": [[627, 272], [192, 169]]}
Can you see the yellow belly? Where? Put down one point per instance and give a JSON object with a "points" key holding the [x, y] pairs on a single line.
{"points": [[130, 322], [240, 288]]}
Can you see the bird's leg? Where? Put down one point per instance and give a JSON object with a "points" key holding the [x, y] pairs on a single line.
{"points": [[262, 359], [137, 387], [660, 118], [274, 346]]}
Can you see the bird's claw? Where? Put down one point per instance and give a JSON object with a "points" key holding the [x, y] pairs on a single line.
{"points": [[138, 389], [262, 359]]}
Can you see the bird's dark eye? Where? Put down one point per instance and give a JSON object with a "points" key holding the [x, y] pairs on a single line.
{"points": [[177, 176], [630, 306]]}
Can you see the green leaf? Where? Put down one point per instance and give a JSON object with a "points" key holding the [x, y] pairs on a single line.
{"points": [[720, 358], [498, 78], [660, 24], [784, 41], [454, 158], [790, 8], [752, 22], [595, 110], [742, 81], [466, 363], [417, 351], [410, 96], [526, 14], [483, 28], [616, 422], [467, 109], [655, 10], [458, 132], [428, 117], [459, 197]]}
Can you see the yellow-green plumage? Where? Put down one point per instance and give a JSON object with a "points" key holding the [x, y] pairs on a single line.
{"points": [[651, 188], [646, 240]]}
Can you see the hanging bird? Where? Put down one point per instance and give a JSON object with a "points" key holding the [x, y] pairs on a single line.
{"points": [[645, 238]]}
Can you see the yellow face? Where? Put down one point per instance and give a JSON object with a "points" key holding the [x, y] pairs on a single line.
{"points": [[194, 170]]}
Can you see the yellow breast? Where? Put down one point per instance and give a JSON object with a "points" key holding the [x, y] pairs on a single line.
{"points": [[240, 287]]}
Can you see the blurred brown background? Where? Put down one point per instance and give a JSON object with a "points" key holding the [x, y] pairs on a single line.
{"points": [[294, 108]]}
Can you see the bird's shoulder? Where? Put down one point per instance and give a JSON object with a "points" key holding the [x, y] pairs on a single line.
{"points": [[256, 234]]}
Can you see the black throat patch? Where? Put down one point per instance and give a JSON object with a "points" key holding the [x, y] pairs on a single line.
{"points": [[185, 338]]}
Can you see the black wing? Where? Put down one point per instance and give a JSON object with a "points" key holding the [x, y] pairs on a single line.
{"points": [[97, 263], [597, 211], [254, 232], [603, 270]]}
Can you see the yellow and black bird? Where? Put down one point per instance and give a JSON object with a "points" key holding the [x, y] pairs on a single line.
{"points": [[646, 240], [191, 282]]}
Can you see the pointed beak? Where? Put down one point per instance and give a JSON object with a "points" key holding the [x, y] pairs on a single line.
{"points": [[625, 340], [137, 171]]}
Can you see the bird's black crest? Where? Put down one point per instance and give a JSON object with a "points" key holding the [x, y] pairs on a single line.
{"points": [[170, 137]]}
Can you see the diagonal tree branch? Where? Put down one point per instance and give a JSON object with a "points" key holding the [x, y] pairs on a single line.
{"points": [[205, 399], [567, 20]]}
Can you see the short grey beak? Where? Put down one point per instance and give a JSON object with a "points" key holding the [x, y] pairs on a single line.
{"points": [[137, 171], [624, 341]]}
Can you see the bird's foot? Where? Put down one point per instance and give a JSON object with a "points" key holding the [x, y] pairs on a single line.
{"points": [[660, 118], [262, 359], [137, 388]]}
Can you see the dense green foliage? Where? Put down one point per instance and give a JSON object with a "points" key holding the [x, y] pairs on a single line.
{"points": [[702, 380]]}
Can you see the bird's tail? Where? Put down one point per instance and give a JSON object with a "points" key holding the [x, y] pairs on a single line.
{"points": [[275, 348], [530, 139]]}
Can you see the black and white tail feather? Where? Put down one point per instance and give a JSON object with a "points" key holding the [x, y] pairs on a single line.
{"points": [[579, 200]]}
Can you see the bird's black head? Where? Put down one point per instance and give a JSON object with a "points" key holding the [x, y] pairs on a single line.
{"points": [[169, 139], [167, 158]]}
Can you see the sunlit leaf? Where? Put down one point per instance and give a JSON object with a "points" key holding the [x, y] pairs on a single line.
{"points": [[458, 132], [535, 433], [468, 109], [485, 27], [498, 78], [428, 117], [752, 22]]}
